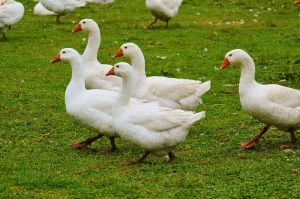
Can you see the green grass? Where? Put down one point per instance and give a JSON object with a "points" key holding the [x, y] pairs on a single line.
{"points": [[36, 160]]}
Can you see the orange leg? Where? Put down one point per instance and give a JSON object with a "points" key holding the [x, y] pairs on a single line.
{"points": [[141, 159], [113, 147], [58, 19], [253, 142], [87, 142], [294, 140], [151, 24], [293, 137], [172, 157]]}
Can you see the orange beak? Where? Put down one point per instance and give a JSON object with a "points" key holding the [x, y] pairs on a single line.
{"points": [[111, 72], [119, 53], [225, 64], [55, 59], [77, 28], [297, 2]]}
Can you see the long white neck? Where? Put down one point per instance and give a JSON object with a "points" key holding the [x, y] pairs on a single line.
{"points": [[77, 83], [247, 78], [126, 90], [138, 64], [91, 50]]}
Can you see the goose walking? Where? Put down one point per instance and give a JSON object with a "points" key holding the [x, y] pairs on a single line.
{"points": [[272, 104], [169, 92], [62, 7], [91, 107], [153, 128], [162, 10], [94, 72]]}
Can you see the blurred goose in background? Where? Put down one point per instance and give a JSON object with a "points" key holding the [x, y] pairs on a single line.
{"points": [[10, 13], [272, 104], [100, 1], [169, 92], [94, 72], [297, 2], [62, 7], [153, 128], [163, 10], [91, 107], [40, 10]]}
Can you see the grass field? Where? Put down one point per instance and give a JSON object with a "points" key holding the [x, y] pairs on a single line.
{"points": [[36, 160]]}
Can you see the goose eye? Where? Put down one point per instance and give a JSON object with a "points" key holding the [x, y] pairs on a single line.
{"points": [[117, 66], [64, 52], [230, 55], [83, 22], [125, 47]]}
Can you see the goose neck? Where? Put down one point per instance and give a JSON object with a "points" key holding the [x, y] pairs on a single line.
{"points": [[77, 83], [138, 64], [126, 90], [91, 50], [247, 72]]}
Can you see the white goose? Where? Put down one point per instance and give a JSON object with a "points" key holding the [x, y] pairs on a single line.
{"points": [[169, 92], [91, 107], [163, 10], [40, 10], [154, 128], [62, 7], [94, 73], [272, 104], [10, 13]]}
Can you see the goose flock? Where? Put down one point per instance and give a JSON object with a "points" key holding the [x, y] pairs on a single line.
{"points": [[156, 112]]}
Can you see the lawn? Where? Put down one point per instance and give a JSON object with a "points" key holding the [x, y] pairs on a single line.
{"points": [[36, 160]]}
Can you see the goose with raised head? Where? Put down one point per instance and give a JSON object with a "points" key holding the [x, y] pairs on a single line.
{"points": [[154, 128], [10, 13], [162, 10], [91, 107], [62, 7], [169, 92], [272, 104], [94, 72]]}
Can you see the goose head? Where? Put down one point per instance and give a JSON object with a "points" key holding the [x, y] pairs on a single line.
{"points": [[127, 50], [66, 55], [86, 24], [234, 57], [120, 69]]}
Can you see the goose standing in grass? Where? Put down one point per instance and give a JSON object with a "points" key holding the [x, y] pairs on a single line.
{"points": [[91, 107], [272, 104], [163, 10], [154, 128], [169, 92], [10, 13], [40, 10], [62, 7], [94, 72]]}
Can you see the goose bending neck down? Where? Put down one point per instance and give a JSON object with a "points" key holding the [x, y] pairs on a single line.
{"points": [[91, 107], [169, 92], [95, 71], [272, 104], [154, 128]]}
